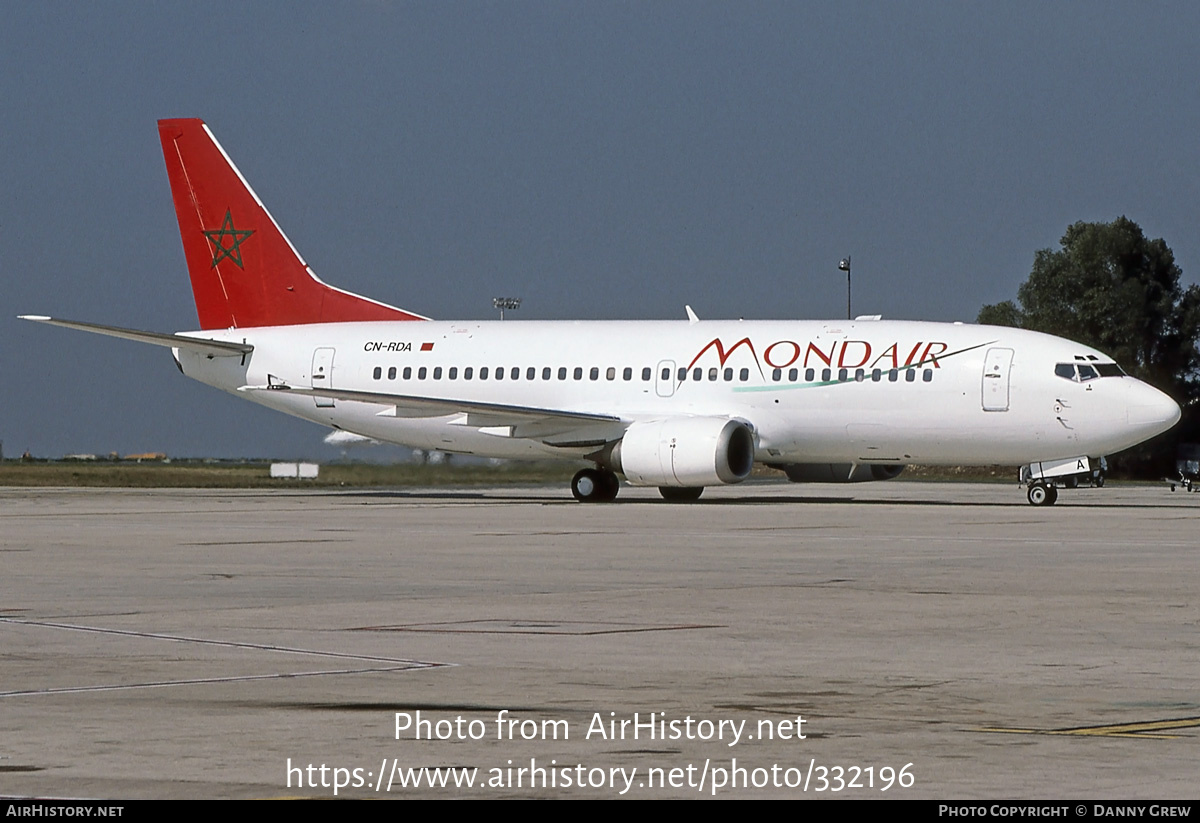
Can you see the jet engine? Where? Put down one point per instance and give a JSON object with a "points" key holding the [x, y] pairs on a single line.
{"points": [[839, 472], [685, 452]]}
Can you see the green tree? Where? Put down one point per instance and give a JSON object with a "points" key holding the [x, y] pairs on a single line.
{"points": [[1111, 288]]}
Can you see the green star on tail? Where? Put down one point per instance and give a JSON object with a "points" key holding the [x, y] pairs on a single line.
{"points": [[237, 237]]}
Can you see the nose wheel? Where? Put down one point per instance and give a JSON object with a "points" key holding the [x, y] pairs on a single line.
{"points": [[595, 486], [1042, 494]]}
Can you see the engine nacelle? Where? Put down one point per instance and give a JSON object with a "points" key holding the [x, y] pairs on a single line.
{"points": [[839, 472], [685, 452]]}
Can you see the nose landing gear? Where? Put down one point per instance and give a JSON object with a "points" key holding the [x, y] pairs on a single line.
{"points": [[1042, 494]]}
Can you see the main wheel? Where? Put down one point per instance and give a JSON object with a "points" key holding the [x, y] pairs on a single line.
{"points": [[611, 485], [585, 485], [681, 494], [595, 486], [1040, 494]]}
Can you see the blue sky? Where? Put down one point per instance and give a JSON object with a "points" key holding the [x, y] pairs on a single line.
{"points": [[601, 160]]}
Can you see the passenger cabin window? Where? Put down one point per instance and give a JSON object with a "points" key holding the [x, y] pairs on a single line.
{"points": [[468, 372], [392, 373], [627, 374], [408, 372], [562, 373], [646, 372], [378, 372]]}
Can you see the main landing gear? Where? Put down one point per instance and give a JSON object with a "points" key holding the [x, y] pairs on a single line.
{"points": [[595, 486], [602, 485]]}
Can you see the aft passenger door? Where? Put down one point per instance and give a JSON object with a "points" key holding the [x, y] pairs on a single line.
{"points": [[322, 375], [997, 370]]}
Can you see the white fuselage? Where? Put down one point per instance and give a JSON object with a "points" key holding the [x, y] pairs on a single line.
{"points": [[872, 392]]}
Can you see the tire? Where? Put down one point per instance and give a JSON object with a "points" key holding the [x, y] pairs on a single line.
{"points": [[1039, 494], [681, 494], [586, 485], [595, 486], [611, 486]]}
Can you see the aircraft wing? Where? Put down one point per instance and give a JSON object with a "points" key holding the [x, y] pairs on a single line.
{"points": [[210, 348], [526, 421]]}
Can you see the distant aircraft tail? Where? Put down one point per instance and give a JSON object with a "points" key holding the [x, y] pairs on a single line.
{"points": [[244, 270]]}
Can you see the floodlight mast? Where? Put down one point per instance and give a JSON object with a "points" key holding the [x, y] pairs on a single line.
{"points": [[502, 303], [845, 266]]}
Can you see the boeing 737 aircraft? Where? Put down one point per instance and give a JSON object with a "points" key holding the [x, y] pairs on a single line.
{"points": [[675, 404]]}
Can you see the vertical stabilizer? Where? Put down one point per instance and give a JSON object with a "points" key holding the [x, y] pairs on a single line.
{"points": [[244, 270]]}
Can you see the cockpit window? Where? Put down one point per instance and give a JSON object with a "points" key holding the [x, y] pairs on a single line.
{"points": [[1083, 372]]}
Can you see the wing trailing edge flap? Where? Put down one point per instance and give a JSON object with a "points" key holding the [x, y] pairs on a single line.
{"points": [[525, 422]]}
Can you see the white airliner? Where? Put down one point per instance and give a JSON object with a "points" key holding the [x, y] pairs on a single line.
{"points": [[675, 404]]}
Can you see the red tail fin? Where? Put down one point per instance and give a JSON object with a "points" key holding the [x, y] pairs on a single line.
{"points": [[244, 271]]}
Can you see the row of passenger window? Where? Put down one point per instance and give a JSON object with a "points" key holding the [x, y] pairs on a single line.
{"points": [[499, 373], [682, 375]]}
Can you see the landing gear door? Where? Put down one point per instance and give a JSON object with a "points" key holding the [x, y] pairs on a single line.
{"points": [[997, 369], [322, 375], [664, 377]]}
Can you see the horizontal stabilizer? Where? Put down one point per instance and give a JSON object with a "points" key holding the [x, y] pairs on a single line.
{"points": [[211, 348]]}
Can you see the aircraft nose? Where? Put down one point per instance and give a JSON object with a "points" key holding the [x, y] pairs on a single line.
{"points": [[1149, 409]]}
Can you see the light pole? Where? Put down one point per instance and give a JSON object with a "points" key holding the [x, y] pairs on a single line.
{"points": [[845, 266], [502, 303]]}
